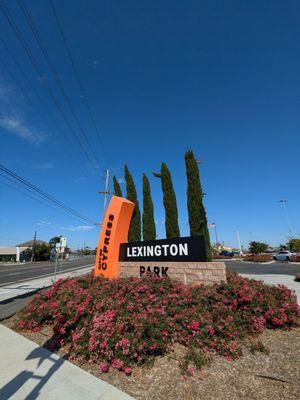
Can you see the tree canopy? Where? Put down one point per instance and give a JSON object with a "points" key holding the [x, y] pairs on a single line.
{"points": [[293, 245], [258, 247], [117, 187], [134, 234], [170, 203], [196, 210], [54, 240], [149, 230]]}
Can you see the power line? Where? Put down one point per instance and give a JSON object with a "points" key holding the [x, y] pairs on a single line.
{"points": [[106, 192], [60, 138], [76, 73], [42, 193], [19, 85], [29, 54], [284, 203], [55, 73], [30, 195]]}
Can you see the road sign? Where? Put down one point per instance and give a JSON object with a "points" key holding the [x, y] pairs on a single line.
{"points": [[63, 241]]}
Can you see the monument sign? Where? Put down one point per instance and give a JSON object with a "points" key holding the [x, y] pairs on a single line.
{"points": [[183, 259]]}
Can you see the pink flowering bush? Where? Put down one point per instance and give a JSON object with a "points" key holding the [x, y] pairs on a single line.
{"points": [[122, 323]]}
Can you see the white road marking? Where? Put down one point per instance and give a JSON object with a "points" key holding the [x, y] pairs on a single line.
{"points": [[27, 267], [16, 273], [43, 276]]}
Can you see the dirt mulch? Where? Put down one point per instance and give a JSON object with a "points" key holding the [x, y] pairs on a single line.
{"points": [[258, 376]]}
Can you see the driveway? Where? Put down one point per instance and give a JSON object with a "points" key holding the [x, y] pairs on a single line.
{"points": [[278, 267]]}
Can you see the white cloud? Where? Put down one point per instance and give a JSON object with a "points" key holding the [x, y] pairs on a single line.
{"points": [[44, 223], [17, 127], [43, 166], [77, 228]]}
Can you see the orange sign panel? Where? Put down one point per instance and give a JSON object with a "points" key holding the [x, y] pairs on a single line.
{"points": [[114, 232]]}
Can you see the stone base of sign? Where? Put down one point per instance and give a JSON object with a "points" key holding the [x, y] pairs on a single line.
{"points": [[189, 273]]}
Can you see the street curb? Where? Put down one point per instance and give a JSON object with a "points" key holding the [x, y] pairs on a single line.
{"points": [[22, 296], [226, 259], [258, 263], [43, 285]]}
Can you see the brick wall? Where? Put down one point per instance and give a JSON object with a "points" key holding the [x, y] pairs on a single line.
{"points": [[189, 273]]}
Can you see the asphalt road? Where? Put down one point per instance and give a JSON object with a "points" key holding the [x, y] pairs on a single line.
{"points": [[22, 272], [278, 267], [18, 273]]}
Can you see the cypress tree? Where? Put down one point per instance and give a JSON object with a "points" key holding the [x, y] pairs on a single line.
{"points": [[149, 231], [117, 187], [196, 209], [134, 234], [170, 203]]}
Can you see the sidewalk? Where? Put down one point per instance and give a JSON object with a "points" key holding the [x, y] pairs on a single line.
{"points": [[30, 372], [274, 279], [31, 285]]}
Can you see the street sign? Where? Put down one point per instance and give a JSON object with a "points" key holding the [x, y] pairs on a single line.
{"points": [[63, 241]]}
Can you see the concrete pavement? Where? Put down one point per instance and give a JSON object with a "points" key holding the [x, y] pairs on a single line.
{"points": [[28, 371], [277, 267]]}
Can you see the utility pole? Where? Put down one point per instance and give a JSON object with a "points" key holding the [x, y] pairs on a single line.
{"points": [[106, 192], [216, 234], [239, 241], [33, 247], [284, 203]]}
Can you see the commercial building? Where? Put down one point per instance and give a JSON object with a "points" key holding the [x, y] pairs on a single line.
{"points": [[19, 253]]}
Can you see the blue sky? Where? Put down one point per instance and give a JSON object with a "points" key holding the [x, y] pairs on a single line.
{"points": [[221, 78]]}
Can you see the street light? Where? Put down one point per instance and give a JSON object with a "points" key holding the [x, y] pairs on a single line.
{"points": [[239, 241], [284, 204], [214, 225]]}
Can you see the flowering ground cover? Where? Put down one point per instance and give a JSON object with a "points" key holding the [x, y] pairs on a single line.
{"points": [[123, 323]]}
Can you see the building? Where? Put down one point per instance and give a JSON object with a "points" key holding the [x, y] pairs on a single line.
{"points": [[29, 244], [13, 254], [18, 253]]}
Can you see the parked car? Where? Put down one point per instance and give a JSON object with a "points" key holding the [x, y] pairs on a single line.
{"points": [[225, 253], [283, 255]]}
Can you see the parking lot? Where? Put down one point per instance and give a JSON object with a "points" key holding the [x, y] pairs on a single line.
{"points": [[276, 267]]}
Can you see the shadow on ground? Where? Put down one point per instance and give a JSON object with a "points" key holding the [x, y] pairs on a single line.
{"points": [[41, 354]]}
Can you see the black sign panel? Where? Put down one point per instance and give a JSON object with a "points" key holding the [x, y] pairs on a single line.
{"points": [[181, 249]]}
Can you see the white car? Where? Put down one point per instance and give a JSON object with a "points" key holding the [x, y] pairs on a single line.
{"points": [[283, 255]]}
